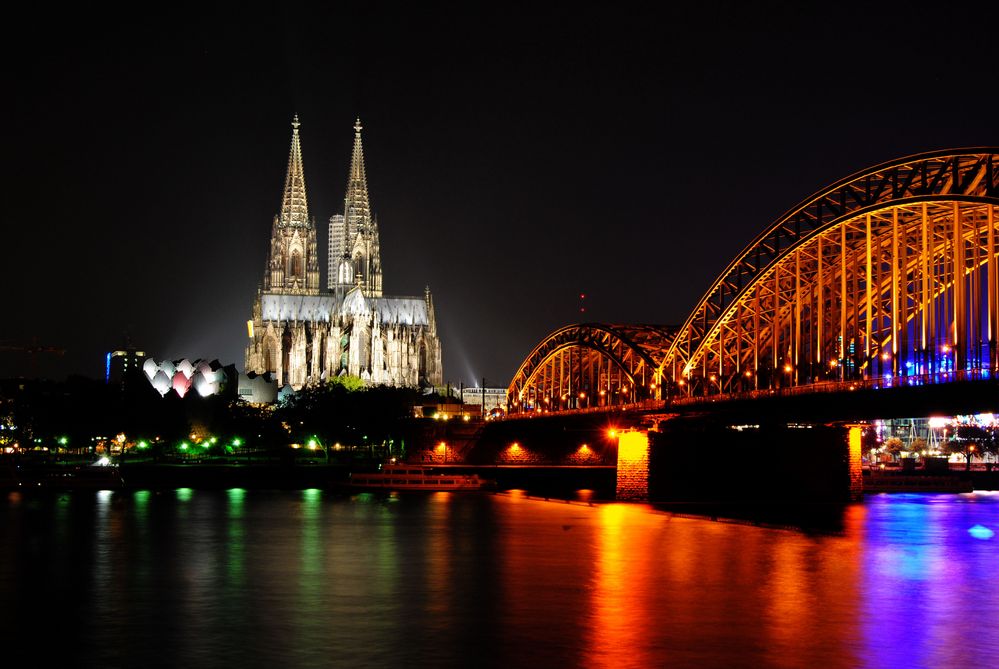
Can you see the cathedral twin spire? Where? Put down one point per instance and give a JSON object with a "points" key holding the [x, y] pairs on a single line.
{"points": [[357, 182], [354, 253], [293, 265], [294, 204]]}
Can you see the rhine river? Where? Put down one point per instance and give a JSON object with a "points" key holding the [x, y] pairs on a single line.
{"points": [[237, 578]]}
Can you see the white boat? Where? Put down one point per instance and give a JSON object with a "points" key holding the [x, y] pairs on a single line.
{"points": [[416, 477]]}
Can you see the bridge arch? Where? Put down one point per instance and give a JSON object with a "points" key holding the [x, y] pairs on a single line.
{"points": [[889, 273], [589, 365]]}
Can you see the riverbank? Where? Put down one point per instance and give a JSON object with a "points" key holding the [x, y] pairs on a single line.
{"points": [[930, 481], [540, 480], [550, 481]]}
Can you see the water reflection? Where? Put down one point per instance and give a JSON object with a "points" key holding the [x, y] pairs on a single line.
{"points": [[624, 545], [927, 580], [305, 578], [235, 540]]}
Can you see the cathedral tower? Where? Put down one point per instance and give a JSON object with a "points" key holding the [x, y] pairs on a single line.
{"points": [[355, 256], [293, 262], [301, 335]]}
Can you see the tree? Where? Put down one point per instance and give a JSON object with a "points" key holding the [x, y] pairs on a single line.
{"points": [[968, 440], [894, 446]]}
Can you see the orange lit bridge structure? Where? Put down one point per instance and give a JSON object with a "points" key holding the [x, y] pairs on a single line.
{"points": [[886, 278], [884, 282]]}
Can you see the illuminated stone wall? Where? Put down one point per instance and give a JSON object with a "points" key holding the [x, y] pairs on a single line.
{"points": [[633, 465], [854, 462]]}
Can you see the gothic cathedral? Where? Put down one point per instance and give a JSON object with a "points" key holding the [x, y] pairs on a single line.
{"points": [[303, 335]]}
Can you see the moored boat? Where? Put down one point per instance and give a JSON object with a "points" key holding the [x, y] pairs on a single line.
{"points": [[416, 477]]}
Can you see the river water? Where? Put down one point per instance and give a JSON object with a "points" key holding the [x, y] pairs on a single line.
{"points": [[190, 578]]}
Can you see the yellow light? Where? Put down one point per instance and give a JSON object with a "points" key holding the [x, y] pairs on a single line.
{"points": [[612, 433], [582, 395], [713, 377], [788, 368], [602, 393], [515, 447], [249, 328], [633, 446], [682, 382], [832, 363], [886, 356], [946, 348], [748, 374]]}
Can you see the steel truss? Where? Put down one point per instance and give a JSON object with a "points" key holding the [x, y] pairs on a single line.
{"points": [[589, 365], [889, 273]]}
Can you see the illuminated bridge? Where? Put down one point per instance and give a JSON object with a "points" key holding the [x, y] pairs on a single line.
{"points": [[887, 278]]}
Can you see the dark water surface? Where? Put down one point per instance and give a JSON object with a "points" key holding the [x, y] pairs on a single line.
{"points": [[272, 579]]}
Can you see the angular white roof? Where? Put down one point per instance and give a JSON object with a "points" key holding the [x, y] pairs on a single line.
{"points": [[322, 308]]}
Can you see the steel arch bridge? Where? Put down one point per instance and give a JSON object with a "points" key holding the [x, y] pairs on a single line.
{"points": [[589, 365], [886, 277]]}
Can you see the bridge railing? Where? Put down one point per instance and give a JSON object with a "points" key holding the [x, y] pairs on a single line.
{"points": [[806, 389], [643, 405], [887, 381]]}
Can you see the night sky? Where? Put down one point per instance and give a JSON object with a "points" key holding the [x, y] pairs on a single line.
{"points": [[516, 158]]}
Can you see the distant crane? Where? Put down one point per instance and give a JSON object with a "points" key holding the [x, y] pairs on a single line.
{"points": [[33, 350]]}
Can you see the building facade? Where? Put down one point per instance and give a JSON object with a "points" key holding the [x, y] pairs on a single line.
{"points": [[301, 334]]}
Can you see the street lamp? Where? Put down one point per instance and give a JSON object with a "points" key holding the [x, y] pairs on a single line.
{"points": [[314, 443]]}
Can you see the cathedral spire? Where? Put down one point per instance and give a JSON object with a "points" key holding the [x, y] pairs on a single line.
{"points": [[293, 264], [294, 206], [357, 182]]}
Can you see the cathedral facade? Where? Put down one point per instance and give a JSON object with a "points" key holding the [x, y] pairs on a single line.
{"points": [[302, 334]]}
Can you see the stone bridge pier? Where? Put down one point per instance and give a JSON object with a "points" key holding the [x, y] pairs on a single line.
{"points": [[691, 460]]}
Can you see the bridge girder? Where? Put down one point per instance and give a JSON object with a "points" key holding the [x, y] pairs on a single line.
{"points": [[890, 271]]}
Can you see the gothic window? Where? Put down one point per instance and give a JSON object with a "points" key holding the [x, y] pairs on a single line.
{"points": [[268, 356], [345, 348], [296, 264], [423, 361]]}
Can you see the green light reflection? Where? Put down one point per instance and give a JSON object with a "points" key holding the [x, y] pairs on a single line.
{"points": [[236, 497], [310, 581], [235, 545]]}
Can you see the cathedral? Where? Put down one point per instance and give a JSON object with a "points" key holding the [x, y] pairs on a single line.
{"points": [[303, 334]]}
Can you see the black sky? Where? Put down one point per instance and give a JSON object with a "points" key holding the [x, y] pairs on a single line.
{"points": [[516, 157]]}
